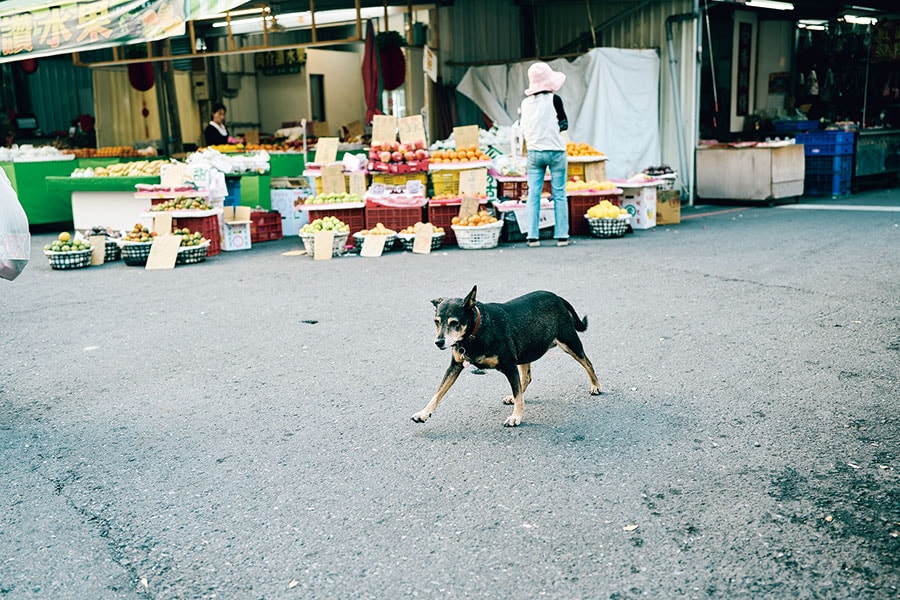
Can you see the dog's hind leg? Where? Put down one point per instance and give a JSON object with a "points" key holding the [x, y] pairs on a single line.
{"points": [[524, 380], [449, 379], [576, 351], [512, 375]]}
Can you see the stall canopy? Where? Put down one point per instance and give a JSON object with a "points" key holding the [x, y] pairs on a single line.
{"points": [[31, 29], [611, 98]]}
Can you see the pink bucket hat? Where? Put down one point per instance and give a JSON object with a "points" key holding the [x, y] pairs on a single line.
{"points": [[541, 78]]}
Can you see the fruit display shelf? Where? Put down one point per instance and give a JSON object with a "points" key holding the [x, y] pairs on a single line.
{"points": [[204, 221], [440, 213], [351, 213], [580, 202]]}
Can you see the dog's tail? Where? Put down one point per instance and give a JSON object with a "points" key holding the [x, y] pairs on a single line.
{"points": [[579, 322]]}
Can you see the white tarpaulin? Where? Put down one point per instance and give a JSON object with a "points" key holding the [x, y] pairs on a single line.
{"points": [[611, 97]]}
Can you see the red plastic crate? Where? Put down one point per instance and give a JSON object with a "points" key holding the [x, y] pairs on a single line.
{"points": [[394, 218], [265, 226], [208, 228], [441, 215], [578, 207], [354, 217]]}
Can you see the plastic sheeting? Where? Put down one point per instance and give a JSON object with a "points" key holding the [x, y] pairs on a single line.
{"points": [[611, 97]]}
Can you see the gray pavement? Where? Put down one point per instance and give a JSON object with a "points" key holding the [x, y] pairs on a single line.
{"points": [[241, 428]]}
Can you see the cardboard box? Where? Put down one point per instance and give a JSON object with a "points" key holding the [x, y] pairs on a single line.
{"points": [[236, 228], [668, 207], [639, 199]]}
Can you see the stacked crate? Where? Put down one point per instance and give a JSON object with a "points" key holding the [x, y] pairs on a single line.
{"points": [[829, 162]]}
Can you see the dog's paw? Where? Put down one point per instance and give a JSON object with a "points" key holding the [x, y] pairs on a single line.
{"points": [[421, 417], [595, 390], [508, 400], [512, 421]]}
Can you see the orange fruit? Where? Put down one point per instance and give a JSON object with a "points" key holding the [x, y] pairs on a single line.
{"points": [[455, 220]]}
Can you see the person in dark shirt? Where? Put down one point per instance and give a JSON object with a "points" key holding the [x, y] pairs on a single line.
{"points": [[215, 133]]}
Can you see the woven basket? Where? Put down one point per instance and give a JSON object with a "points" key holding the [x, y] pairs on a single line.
{"points": [[135, 253], [69, 260], [112, 251], [478, 238], [408, 239], [608, 228], [191, 254], [389, 241], [337, 248]]}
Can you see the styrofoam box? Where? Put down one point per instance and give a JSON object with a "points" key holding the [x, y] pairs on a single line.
{"points": [[639, 199], [235, 235], [292, 220]]}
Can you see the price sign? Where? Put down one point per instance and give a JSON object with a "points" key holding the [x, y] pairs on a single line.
{"points": [[323, 241], [172, 174], [373, 246], [358, 183], [162, 223], [333, 181], [468, 207], [384, 129], [414, 187], [412, 129], [355, 129], [163, 252], [594, 171], [377, 189], [98, 249], [320, 129], [326, 151], [473, 182], [465, 136], [422, 241]]}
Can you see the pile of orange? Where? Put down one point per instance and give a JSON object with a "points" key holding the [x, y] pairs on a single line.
{"points": [[483, 217], [582, 149], [460, 155]]}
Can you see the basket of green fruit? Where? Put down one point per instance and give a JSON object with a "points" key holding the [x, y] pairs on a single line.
{"points": [[193, 247], [67, 253], [341, 233]]}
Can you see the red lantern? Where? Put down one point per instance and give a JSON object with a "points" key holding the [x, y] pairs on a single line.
{"points": [[29, 65], [393, 67], [141, 76]]}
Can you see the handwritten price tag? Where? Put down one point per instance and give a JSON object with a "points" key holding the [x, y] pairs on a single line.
{"points": [[384, 129], [465, 136], [412, 129], [473, 182], [333, 181], [326, 150]]}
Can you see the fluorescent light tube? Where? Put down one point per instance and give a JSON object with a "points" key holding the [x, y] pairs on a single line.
{"points": [[771, 4]]}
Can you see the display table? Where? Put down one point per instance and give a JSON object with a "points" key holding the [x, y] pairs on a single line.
{"points": [[42, 205], [103, 201], [759, 173], [877, 153]]}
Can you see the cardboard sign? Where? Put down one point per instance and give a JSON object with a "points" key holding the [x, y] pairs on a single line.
{"points": [[412, 129], [251, 136], [326, 150], [163, 252], [320, 129], [414, 187], [333, 181], [594, 171], [468, 207], [384, 128], [355, 129], [358, 183], [465, 136], [473, 182], [422, 241], [171, 175], [323, 242], [430, 63], [373, 246], [98, 249], [162, 223]]}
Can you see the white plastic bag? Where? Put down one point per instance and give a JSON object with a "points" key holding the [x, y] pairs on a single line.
{"points": [[15, 240]]}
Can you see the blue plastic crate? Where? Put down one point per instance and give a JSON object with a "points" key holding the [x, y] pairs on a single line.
{"points": [[838, 164], [828, 143], [826, 185]]}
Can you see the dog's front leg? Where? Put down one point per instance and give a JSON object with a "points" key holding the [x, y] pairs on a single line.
{"points": [[449, 379], [512, 375]]}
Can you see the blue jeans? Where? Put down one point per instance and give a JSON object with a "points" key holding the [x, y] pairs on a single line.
{"points": [[538, 162]]}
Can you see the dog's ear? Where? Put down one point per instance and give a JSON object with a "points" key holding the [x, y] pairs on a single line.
{"points": [[470, 299], [437, 301]]}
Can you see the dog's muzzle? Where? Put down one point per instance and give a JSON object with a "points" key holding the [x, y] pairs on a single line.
{"points": [[439, 342]]}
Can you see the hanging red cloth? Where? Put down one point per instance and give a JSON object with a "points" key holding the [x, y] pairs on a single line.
{"points": [[371, 83]]}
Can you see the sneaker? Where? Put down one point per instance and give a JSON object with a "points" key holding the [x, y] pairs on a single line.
{"points": [[534, 243], [562, 242]]}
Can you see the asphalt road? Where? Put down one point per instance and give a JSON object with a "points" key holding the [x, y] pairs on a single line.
{"points": [[241, 428]]}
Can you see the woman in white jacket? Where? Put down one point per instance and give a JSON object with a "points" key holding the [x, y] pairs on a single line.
{"points": [[543, 119]]}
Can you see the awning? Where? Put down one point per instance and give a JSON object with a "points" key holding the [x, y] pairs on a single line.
{"points": [[30, 29]]}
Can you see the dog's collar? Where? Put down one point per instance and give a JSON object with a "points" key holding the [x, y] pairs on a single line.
{"points": [[477, 324]]}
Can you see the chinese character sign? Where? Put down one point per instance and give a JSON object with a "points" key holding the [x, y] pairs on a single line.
{"points": [[30, 29]]}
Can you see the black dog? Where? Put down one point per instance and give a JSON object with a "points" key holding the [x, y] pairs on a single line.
{"points": [[507, 337]]}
